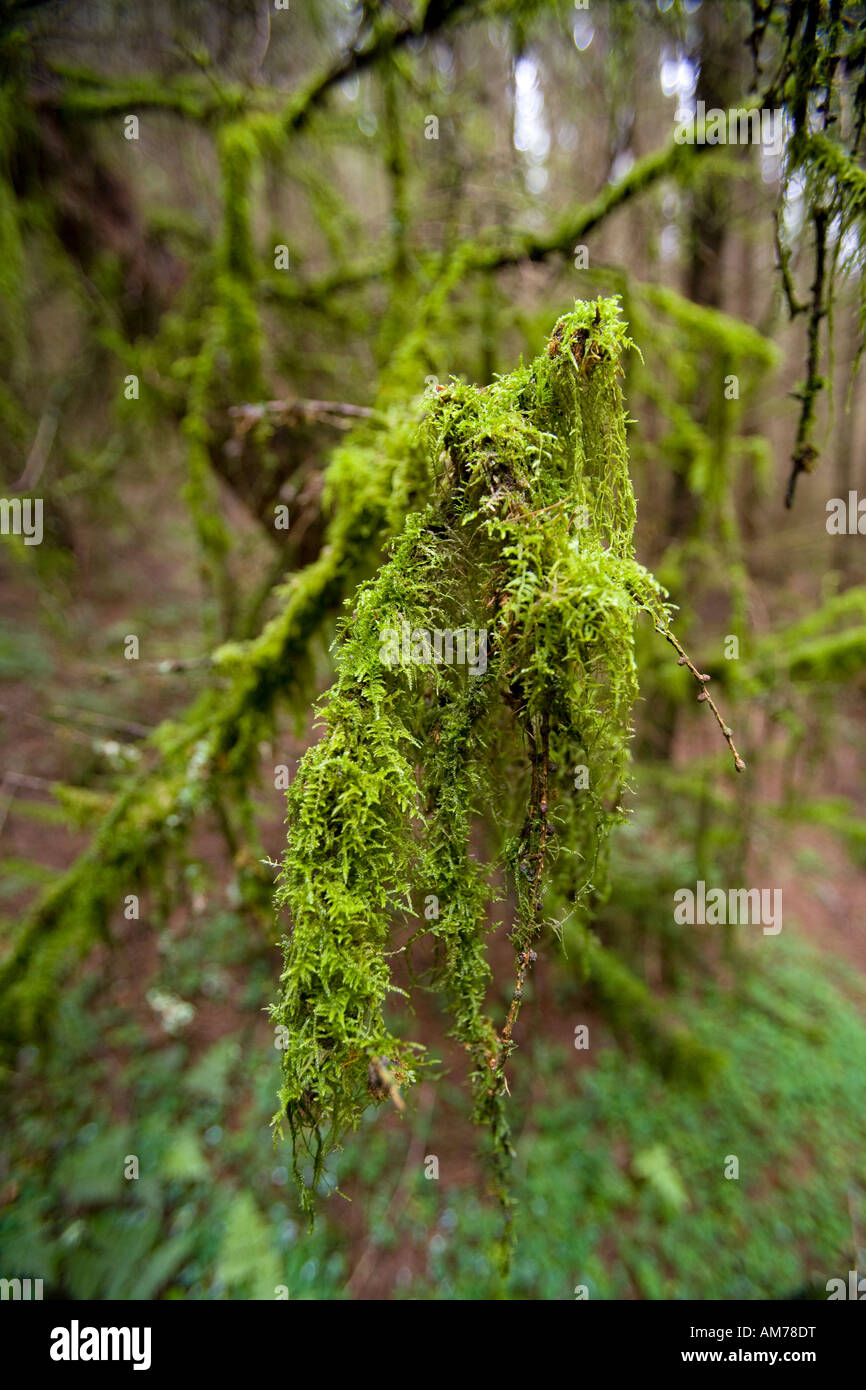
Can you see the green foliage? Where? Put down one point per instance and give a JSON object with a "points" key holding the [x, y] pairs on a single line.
{"points": [[827, 646], [208, 1218], [636, 1017], [205, 1218], [644, 1164]]}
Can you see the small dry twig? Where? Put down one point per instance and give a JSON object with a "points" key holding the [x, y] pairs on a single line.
{"points": [[705, 695], [340, 414]]}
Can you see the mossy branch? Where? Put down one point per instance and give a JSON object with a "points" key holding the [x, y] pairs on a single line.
{"points": [[528, 532], [487, 254]]}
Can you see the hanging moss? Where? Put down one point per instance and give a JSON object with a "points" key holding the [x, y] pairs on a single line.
{"points": [[818, 79], [528, 539]]}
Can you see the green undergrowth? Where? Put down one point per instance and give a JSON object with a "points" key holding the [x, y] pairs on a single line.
{"points": [[213, 1214], [620, 1180], [209, 1215]]}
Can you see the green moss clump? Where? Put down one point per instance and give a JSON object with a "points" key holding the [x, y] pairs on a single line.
{"points": [[526, 542]]}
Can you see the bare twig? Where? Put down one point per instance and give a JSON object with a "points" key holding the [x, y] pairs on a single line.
{"points": [[704, 695], [338, 413], [38, 456], [104, 721], [12, 782], [28, 781], [56, 726]]}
